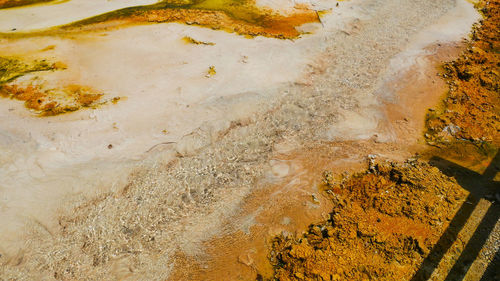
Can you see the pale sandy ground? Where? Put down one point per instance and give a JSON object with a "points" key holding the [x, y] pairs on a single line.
{"points": [[39, 17], [48, 163], [167, 95]]}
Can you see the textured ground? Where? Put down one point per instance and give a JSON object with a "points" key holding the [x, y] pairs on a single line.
{"points": [[384, 222], [192, 189], [471, 109], [411, 221]]}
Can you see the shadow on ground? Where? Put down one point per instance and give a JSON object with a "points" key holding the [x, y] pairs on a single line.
{"points": [[480, 186]]}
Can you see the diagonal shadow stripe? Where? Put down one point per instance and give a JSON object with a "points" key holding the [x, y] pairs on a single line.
{"points": [[431, 262], [477, 185], [475, 244]]}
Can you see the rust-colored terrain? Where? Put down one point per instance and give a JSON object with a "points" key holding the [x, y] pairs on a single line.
{"points": [[54, 101], [385, 220], [383, 223], [44, 102], [471, 109]]}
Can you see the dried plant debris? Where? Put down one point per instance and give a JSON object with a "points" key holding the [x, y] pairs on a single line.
{"points": [[471, 110], [383, 224]]}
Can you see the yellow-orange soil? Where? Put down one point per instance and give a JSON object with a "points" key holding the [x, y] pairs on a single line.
{"points": [[471, 109], [386, 219], [383, 223]]}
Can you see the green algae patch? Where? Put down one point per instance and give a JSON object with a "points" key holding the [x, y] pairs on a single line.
{"points": [[12, 68], [239, 16], [4, 4], [44, 102]]}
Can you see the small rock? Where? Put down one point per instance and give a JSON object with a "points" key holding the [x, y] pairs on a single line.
{"points": [[286, 221], [279, 168], [245, 259]]}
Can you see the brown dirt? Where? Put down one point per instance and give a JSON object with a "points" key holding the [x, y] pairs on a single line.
{"points": [[471, 109], [383, 223]]}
